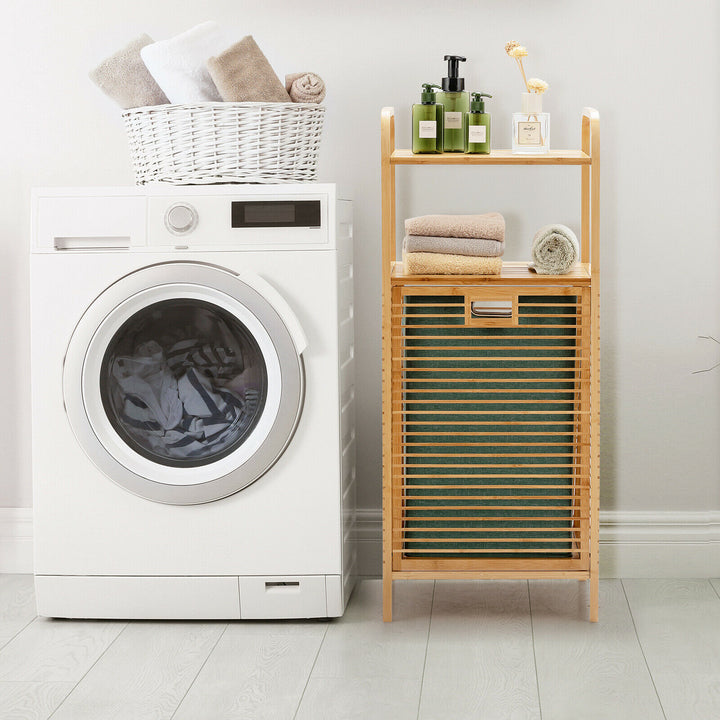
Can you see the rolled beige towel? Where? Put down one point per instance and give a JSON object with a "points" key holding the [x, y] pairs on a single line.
{"points": [[490, 226], [422, 263], [124, 77], [305, 87], [242, 73]]}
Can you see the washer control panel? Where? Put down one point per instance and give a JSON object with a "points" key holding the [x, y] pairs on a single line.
{"points": [[181, 218], [236, 218]]}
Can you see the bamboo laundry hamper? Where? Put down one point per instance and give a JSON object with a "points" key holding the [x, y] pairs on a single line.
{"points": [[491, 400], [225, 142]]}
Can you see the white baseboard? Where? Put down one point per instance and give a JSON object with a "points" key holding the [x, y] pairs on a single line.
{"points": [[16, 540], [632, 544]]}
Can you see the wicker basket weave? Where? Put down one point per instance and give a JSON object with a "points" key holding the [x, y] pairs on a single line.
{"points": [[225, 142]]}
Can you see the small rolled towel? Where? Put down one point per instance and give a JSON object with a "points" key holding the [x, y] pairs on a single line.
{"points": [[124, 77], [555, 250], [422, 263], [305, 87], [490, 226], [479, 247], [178, 64], [243, 74]]}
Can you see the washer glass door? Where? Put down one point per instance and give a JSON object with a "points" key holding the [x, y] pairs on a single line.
{"points": [[183, 383]]}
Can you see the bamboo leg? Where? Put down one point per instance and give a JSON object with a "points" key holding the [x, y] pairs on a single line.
{"points": [[387, 597], [594, 597]]}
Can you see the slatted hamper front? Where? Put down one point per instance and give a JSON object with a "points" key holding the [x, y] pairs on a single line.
{"points": [[491, 429]]}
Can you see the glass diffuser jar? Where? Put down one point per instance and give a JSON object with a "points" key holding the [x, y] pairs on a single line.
{"points": [[531, 127]]}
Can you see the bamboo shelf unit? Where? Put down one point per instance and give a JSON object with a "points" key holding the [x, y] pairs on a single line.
{"points": [[491, 402]]}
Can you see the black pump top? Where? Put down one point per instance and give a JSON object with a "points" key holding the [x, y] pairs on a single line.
{"points": [[477, 104], [453, 83], [427, 96]]}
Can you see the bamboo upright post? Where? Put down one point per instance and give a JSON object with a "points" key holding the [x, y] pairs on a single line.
{"points": [[387, 129], [591, 201]]}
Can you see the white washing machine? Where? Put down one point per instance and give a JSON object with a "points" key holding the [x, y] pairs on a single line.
{"points": [[193, 395]]}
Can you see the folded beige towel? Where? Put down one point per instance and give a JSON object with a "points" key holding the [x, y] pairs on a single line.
{"points": [[478, 247], [490, 226], [243, 74], [124, 77], [305, 87], [421, 263]]}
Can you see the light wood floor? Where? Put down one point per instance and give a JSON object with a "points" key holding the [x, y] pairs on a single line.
{"points": [[456, 650]]}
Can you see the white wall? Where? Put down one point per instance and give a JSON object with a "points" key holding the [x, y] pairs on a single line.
{"points": [[650, 68]]}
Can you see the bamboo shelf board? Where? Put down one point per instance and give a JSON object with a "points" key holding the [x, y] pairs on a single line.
{"points": [[495, 157], [515, 273]]}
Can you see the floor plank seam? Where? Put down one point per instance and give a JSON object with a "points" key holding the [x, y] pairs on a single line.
{"points": [[642, 649], [312, 669], [427, 645], [85, 674], [197, 674], [22, 629], [532, 636]]}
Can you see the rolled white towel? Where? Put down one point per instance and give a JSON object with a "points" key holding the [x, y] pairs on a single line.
{"points": [[555, 250]]}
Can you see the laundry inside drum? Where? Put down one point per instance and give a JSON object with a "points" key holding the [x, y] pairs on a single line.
{"points": [[183, 382]]}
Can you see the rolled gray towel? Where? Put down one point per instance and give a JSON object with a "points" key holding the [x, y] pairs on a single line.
{"points": [[305, 87], [555, 250], [477, 247], [124, 77]]}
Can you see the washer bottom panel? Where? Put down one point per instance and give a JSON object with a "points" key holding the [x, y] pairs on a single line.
{"points": [[177, 598]]}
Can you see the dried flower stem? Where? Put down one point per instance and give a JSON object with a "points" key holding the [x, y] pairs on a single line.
{"points": [[520, 65]]}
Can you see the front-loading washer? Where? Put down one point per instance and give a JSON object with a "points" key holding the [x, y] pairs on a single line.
{"points": [[192, 401]]}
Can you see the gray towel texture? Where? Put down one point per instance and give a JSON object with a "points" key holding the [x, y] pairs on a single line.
{"points": [[243, 74], [555, 250], [305, 87], [124, 77], [478, 247], [490, 226]]}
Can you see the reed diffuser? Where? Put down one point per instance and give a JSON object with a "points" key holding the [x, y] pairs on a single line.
{"points": [[531, 126]]}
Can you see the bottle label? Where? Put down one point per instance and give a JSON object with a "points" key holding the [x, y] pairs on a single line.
{"points": [[427, 129], [477, 133], [453, 120], [529, 133]]}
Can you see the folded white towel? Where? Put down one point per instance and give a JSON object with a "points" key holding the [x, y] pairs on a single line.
{"points": [[555, 250], [178, 64]]}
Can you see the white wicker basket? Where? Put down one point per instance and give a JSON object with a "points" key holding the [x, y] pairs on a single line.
{"points": [[225, 142]]}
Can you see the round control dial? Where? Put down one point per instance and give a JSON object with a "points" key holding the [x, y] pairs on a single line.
{"points": [[181, 219]]}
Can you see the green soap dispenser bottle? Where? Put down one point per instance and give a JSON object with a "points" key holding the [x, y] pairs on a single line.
{"points": [[456, 103], [477, 126], [427, 122]]}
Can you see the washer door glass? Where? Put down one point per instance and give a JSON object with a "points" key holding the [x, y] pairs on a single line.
{"points": [[183, 382]]}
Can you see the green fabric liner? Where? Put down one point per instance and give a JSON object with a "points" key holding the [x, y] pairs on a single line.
{"points": [[480, 354]]}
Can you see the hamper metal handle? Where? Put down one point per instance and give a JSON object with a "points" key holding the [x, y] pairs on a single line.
{"points": [[491, 308]]}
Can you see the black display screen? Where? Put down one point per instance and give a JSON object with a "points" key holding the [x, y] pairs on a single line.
{"points": [[275, 213]]}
